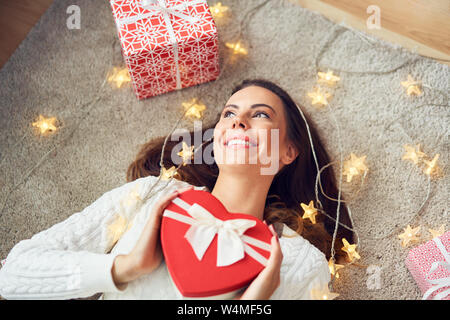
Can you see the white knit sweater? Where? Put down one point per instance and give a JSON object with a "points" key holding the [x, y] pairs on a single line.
{"points": [[73, 259]]}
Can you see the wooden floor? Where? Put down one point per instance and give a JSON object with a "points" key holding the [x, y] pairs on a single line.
{"points": [[421, 25], [17, 18]]}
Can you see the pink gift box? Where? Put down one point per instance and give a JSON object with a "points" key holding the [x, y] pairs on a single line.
{"points": [[420, 261], [167, 44]]}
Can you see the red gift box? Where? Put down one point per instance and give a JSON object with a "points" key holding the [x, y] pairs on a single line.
{"points": [[429, 265], [210, 252], [167, 45]]}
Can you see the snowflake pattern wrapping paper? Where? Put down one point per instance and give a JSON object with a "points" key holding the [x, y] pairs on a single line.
{"points": [[167, 45], [420, 261]]}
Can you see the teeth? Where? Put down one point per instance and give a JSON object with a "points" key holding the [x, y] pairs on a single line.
{"points": [[236, 141]]}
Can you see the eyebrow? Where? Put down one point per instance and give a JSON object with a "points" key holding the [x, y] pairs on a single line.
{"points": [[256, 105]]}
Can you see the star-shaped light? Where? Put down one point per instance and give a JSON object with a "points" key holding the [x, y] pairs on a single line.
{"points": [[166, 174], [218, 10], [328, 78], [187, 153], [119, 76], [322, 292], [354, 166], [237, 48], [409, 234], [193, 108], [350, 249], [437, 233], [337, 267], [118, 228], [132, 201], [309, 211], [45, 125], [319, 97], [431, 166], [412, 86], [413, 153]]}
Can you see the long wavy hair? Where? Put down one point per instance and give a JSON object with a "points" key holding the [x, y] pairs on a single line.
{"points": [[292, 185]]}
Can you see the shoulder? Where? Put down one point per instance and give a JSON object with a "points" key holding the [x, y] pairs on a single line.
{"points": [[152, 185]]}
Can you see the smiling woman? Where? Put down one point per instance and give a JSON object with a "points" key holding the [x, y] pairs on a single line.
{"points": [[113, 246], [256, 109]]}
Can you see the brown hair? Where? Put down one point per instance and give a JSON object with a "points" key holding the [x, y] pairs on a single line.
{"points": [[292, 185]]}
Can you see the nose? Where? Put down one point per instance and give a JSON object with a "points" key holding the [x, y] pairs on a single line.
{"points": [[237, 122]]}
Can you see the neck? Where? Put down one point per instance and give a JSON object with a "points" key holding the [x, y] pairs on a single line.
{"points": [[242, 195]]}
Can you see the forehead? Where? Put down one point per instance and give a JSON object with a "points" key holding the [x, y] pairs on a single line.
{"points": [[254, 94]]}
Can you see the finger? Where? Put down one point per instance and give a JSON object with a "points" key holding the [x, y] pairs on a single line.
{"points": [[163, 203], [272, 229], [185, 189], [276, 256]]}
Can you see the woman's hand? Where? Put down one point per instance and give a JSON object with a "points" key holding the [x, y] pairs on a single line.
{"points": [[146, 255], [268, 280]]}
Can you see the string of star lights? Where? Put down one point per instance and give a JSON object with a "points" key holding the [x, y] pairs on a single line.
{"points": [[355, 165], [48, 127]]}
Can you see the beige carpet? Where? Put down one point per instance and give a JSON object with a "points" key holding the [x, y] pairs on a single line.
{"points": [[56, 72]]}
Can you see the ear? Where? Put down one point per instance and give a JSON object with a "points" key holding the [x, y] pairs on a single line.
{"points": [[289, 155]]}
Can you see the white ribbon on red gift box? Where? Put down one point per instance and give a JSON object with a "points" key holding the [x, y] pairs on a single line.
{"points": [[442, 282], [157, 6], [232, 242]]}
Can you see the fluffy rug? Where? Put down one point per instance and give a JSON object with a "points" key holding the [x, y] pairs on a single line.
{"points": [[58, 72]]}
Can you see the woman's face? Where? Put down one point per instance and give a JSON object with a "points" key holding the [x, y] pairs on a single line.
{"points": [[251, 133]]}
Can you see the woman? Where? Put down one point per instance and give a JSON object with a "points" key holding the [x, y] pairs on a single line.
{"points": [[78, 257]]}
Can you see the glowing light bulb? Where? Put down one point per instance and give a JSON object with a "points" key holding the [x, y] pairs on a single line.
{"points": [[409, 235], [354, 166], [319, 97], [237, 48], [218, 10], [337, 267], [412, 86], [168, 173], [119, 76], [187, 153], [413, 153], [431, 166], [309, 211], [328, 78], [322, 292], [193, 108], [45, 125], [437, 233], [350, 249]]}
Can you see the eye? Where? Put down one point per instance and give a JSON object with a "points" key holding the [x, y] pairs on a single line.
{"points": [[225, 115], [263, 113], [227, 112]]}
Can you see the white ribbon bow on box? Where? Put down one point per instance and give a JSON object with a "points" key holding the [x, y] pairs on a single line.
{"points": [[442, 282], [232, 244], [157, 7], [160, 5]]}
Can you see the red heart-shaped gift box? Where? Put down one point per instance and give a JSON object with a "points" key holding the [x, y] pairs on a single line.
{"points": [[203, 278]]}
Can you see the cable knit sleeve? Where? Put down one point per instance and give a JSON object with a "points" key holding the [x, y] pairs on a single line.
{"points": [[70, 259], [304, 269]]}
